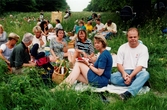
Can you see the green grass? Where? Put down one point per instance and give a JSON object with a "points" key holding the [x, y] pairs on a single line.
{"points": [[27, 91]]}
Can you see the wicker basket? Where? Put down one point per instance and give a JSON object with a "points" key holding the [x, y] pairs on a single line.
{"points": [[71, 44], [57, 77], [70, 33]]}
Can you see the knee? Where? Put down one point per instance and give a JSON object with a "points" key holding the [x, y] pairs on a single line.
{"points": [[115, 78], [145, 74]]}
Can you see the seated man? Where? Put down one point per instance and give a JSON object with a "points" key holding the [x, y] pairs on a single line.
{"points": [[20, 56], [7, 48], [132, 61], [99, 26], [109, 29]]}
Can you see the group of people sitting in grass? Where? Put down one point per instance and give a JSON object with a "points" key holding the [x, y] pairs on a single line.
{"points": [[132, 57]]}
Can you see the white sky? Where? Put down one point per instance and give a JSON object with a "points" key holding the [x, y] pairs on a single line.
{"points": [[77, 5]]}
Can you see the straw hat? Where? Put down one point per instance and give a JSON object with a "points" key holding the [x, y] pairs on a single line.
{"points": [[100, 36], [14, 36]]}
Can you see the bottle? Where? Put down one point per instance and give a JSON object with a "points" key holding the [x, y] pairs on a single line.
{"points": [[62, 70]]}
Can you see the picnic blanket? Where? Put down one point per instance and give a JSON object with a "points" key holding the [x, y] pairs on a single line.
{"points": [[109, 88]]}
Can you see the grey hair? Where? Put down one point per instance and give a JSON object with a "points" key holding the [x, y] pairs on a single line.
{"points": [[28, 37]]}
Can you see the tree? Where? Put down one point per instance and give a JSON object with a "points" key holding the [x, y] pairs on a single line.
{"points": [[32, 5], [2, 5]]}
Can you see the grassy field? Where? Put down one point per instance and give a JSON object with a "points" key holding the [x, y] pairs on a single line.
{"points": [[20, 92]]}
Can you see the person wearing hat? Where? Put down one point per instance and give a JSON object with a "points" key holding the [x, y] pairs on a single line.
{"points": [[97, 74], [7, 48], [20, 56]]}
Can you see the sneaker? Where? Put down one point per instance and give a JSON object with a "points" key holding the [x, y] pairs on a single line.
{"points": [[125, 95]]}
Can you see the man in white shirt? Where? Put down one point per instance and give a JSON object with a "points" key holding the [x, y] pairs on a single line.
{"points": [[132, 61], [110, 28], [99, 26]]}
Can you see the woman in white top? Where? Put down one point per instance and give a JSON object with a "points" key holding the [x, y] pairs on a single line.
{"points": [[39, 38], [58, 25], [7, 48], [3, 35]]}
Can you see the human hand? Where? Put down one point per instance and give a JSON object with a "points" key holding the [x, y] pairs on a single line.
{"points": [[128, 81], [125, 76], [32, 64], [83, 60]]}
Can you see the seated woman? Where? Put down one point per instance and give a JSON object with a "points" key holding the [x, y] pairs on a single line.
{"points": [[83, 47], [3, 35], [7, 48], [58, 46], [89, 26], [98, 74], [58, 25], [44, 28], [78, 27], [39, 38]]}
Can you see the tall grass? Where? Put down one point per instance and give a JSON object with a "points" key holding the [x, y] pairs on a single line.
{"points": [[28, 91]]}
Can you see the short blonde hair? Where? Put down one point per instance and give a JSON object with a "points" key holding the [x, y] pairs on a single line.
{"points": [[1, 27], [37, 29]]}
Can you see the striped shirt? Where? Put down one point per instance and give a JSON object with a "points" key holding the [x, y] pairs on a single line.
{"points": [[87, 46]]}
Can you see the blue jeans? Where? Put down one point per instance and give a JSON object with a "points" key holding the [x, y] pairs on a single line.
{"points": [[108, 35], [137, 82]]}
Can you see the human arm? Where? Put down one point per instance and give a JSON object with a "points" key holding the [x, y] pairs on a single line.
{"points": [[4, 36], [42, 41], [122, 71], [30, 64], [114, 28], [20, 57], [65, 47], [98, 71], [102, 64], [142, 61], [53, 54], [2, 56]]}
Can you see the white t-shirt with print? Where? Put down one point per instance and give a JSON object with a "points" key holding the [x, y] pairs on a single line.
{"points": [[130, 58]]}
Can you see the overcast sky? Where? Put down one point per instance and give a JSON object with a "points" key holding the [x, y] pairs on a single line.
{"points": [[77, 5]]}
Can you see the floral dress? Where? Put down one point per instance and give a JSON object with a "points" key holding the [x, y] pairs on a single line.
{"points": [[57, 47]]}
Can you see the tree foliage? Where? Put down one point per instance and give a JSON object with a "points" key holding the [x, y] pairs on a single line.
{"points": [[113, 5], [106, 5], [32, 5]]}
